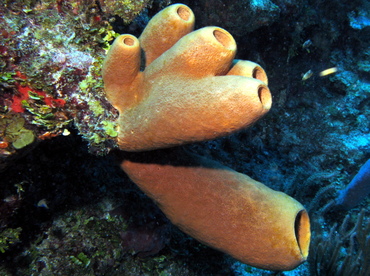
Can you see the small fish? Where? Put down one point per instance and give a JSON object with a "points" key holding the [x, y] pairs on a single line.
{"points": [[66, 132], [306, 45], [10, 199], [328, 71], [43, 204], [307, 75]]}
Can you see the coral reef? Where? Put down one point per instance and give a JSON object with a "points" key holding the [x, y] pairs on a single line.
{"points": [[126, 9], [310, 145], [46, 53], [82, 234], [331, 254]]}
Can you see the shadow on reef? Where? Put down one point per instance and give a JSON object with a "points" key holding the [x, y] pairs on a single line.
{"points": [[71, 208]]}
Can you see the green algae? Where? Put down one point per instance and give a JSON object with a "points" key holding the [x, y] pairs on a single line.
{"points": [[14, 131], [24, 138], [81, 259], [7, 77], [96, 107], [125, 9], [8, 237], [110, 128]]}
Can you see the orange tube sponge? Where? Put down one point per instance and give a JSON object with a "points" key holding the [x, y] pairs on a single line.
{"points": [[165, 29], [225, 209], [187, 91]]}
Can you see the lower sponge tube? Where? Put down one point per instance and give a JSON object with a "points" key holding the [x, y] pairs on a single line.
{"points": [[225, 209]]}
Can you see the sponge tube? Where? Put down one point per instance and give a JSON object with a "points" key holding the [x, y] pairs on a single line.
{"points": [[225, 209]]}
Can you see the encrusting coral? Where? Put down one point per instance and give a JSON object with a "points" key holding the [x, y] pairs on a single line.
{"points": [[187, 91], [192, 90]]}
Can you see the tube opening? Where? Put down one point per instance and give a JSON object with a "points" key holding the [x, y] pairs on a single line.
{"points": [[302, 232], [128, 41], [259, 74], [224, 39], [265, 97], [184, 13]]}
